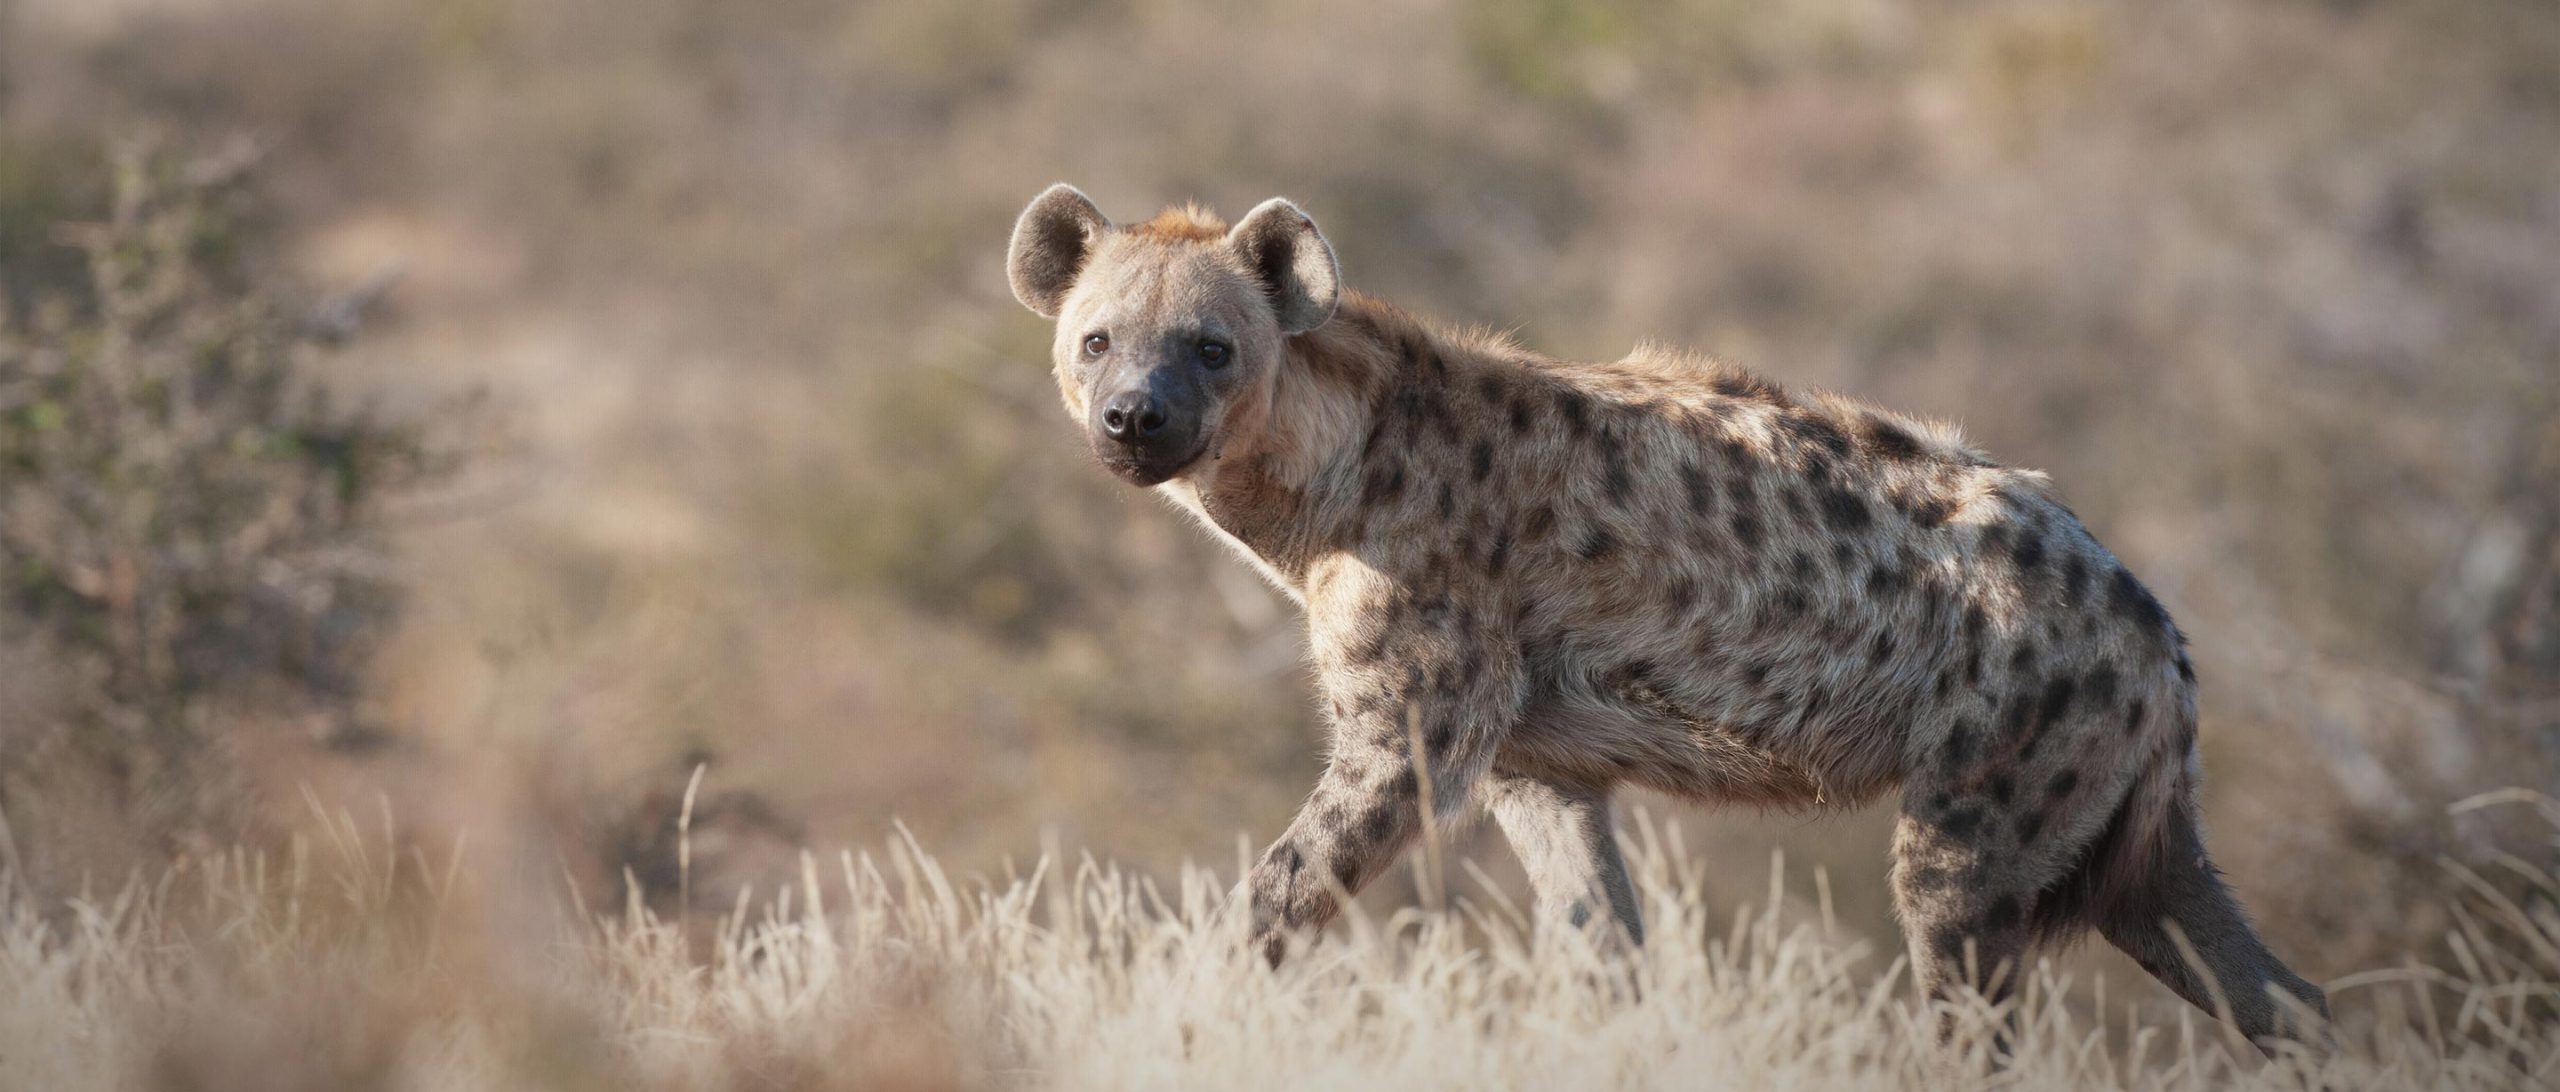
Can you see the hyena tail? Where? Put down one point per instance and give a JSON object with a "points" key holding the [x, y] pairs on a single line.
{"points": [[2147, 885], [2131, 853]]}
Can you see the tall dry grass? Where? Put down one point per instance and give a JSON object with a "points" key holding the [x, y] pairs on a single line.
{"points": [[345, 963]]}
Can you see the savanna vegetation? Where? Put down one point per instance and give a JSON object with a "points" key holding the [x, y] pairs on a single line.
{"points": [[596, 439]]}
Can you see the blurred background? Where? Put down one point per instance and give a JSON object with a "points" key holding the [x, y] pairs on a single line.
{"points": [[489, 413]]}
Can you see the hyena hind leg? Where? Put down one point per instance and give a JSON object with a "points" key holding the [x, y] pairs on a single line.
{"points": [[1565, 841], [1966, 910], [2187, 892]]}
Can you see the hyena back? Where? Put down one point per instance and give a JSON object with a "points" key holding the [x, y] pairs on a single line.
{"points": [[1529, 581]]}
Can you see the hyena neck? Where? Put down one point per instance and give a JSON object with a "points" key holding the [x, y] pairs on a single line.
{"points": [[1295, 493]]}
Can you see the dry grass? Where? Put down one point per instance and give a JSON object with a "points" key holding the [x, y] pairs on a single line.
{"points": [[338, 966]]}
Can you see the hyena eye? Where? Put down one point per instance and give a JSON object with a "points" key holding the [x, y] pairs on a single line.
{"points": [[1213, 353], [1097, 344]]}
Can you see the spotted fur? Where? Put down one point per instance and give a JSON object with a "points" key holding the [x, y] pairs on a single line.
{"points": [[1529, 581]]}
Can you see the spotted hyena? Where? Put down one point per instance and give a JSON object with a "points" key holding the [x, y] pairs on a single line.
{"points": [[1528, 581]]}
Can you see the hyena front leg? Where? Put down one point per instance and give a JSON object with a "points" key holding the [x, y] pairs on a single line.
{"points": [[1567, 844], [1420, 692]]}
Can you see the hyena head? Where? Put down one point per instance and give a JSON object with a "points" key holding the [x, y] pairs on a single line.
{"points": [[1170, 333]]}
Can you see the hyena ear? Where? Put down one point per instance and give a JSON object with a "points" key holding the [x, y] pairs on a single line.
{"points": [[1051, 241], [1282, 247]]}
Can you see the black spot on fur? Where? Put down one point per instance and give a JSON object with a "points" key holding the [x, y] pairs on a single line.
{"points": [[1946, 941], [1426, 408], [1405, 783], [1682, 594], [1889, 440], [2028, 553], [1385, 483], [1576, 414], [1930, 879], [1398, 605], [1959, 744], [1747, 387], [2127, 597], [1882, 649], [2002, 788], [2057, 701], [1334, 813], [1374, 446], [1448, 502], [1961, 823], [1797, 505], [1540, 523], [2050, 707], [1815, 701], [2023, 658], [2003, 914], [1521, 420], [1844, 510], [1613, 475], [1746, 530], [2133, 717], [1816, 431], [2030, 824], [1597, 545], [2075, 570], [1701, 489], [1926, 511], [1500, 555], [1419, 355], [1887, 580], [2101, 684], [2017, 715], [1481, 462], [2062, 784], [1346, 868], [1371, 650], [2025, 548]]}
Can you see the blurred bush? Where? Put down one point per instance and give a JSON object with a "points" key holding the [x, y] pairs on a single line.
{"points": [[191, 517]]}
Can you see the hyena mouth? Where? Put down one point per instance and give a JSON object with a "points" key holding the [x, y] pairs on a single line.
{"points": [[1150, 468]]}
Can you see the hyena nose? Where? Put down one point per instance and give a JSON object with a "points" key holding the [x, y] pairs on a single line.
{"points": [[1132, 417]]}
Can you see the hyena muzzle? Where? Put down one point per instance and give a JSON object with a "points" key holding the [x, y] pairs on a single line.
{"points": [[1528, 581]]}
